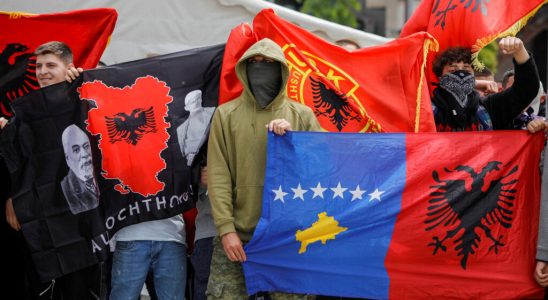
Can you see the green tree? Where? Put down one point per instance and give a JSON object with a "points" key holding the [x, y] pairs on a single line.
{"points": [[339, 11], [488, 56]]}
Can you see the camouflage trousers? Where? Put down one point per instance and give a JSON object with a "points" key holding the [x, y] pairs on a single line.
{"points": [[227, 282]]}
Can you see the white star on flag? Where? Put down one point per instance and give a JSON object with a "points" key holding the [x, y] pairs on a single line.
{"points": [[318, 191], [357, 193], [279, 194], [339, 190], [376, 195], [298, 192]]}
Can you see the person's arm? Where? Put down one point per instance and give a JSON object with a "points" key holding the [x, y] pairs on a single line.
{"points": [[11, 217], [5, 189], [219, 182], [9, 161], [511, 45], [537, 124], [73, 73], [541, 273], [279, 126], [488, 87], [508, 104]]}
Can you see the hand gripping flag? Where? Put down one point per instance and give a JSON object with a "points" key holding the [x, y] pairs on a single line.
{"points": [[469, 23], [400, 216], [86, 32], [377, 89], [111, 150]]}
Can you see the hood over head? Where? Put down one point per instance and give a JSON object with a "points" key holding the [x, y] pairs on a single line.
{"points": [[268, 49]]}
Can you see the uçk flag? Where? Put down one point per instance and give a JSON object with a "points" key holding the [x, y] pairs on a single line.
{"points": [[415, 216], [376, 89]]}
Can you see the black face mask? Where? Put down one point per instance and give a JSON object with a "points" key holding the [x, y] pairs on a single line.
{"points": [[460, 84], [265, 80]]}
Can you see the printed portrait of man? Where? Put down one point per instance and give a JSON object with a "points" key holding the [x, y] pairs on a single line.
{"points": [[193, 132], [79, 185]]}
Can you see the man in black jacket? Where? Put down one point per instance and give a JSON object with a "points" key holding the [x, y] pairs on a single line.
{"points": [[457, 106], [53, 65]]}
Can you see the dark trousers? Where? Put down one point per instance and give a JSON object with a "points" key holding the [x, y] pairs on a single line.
{"points": [[201, 262]]}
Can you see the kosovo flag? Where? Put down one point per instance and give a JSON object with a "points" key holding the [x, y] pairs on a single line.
{"points": [[112, 149], [86, 32], [400, 216], [376, 89]]}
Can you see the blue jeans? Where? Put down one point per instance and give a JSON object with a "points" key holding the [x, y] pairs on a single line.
{"points": [[132, 262]]}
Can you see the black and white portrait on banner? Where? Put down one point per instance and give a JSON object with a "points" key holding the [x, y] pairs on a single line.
{"points": [[79, 186]]}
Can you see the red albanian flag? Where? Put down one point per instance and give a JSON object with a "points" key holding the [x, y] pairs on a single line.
{"points": [[86, 32], [468, 221], [469, 23], [376, 89]]}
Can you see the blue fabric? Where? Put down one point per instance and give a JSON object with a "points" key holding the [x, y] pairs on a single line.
{"points": [[273, 259], [484, 118], [132, 261]]}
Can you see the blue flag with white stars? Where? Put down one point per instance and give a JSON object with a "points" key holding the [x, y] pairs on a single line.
{"points": [[327, 213]]}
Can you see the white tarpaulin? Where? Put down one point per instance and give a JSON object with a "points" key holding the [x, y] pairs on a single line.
{"points": [[146, 28]]}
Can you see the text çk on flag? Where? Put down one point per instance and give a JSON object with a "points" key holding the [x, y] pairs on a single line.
{"points": [[376, 89]]}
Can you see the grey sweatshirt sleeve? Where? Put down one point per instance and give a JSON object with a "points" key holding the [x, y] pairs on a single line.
{"points": [[542, 243]]}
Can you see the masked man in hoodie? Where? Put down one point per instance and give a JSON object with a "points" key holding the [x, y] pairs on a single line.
{"points": [[457, 106], [237, 159]]}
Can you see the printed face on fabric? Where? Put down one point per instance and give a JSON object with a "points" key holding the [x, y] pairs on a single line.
{"points": [[78, 152], [50, 69]]}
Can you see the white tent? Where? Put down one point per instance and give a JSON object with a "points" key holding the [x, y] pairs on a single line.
{"points": [[146, 28]]}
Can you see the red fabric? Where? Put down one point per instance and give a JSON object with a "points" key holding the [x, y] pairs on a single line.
{"points": [[466, 25], [463, 26], [380, 83], [125, 151], [190, 228], [239, 40], [507, 274], [86, 32]]}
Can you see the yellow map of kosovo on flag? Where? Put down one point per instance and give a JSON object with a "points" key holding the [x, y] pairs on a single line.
{"points": [[326, 228]]}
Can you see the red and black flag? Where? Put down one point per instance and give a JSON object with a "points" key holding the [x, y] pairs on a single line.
{"points": [[426, 216], [376, 89], [86, 32], [113, 149], [469, 23]]}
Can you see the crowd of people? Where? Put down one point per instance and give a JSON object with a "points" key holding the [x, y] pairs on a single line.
{"points": [[230, 171]]}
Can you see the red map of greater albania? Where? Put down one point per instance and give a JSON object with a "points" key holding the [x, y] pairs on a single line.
{"points": [[132, 131]]}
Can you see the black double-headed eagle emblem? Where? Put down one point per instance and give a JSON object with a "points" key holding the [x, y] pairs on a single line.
{"points": [[464, 209], [132, 127], [332, 104], [17, 75], [441, 13]]}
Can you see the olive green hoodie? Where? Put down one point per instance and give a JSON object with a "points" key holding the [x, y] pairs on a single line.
{"points": [[237, 147]]}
